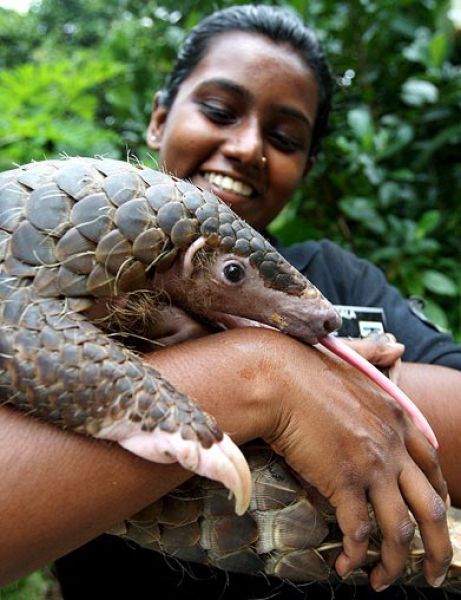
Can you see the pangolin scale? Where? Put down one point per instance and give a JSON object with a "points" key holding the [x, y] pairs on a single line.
{"points": [[289, 531]]}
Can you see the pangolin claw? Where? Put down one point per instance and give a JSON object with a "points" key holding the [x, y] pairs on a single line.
{"points": [[222, 462]]}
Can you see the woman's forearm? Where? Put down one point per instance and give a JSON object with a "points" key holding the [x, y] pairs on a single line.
{"points": [[61, 489], [437, 392]]}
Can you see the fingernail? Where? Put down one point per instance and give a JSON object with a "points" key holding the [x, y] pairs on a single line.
{"points": [[346, 575], [438, 582], [381, 588]]}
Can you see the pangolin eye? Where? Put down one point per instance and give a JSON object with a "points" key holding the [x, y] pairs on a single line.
{"points": [[234, 272]]}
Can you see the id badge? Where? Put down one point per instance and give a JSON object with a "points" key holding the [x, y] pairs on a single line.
{"points": [[360, 321]]}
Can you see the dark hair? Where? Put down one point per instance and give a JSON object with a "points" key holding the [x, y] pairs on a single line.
{"points": [[280, 26]]}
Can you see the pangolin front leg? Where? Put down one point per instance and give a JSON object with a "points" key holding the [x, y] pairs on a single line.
{"points": [[63, 369]]}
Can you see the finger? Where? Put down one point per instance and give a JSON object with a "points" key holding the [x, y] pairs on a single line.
{"points": [[426, 458], [380, 352], [429, 511], [397, 529], [354, 521]]}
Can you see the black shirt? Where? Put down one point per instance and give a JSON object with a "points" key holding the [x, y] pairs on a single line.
{"points": [[109, 567], [347, 280]]}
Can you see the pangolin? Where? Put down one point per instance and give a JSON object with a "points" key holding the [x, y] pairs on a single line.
{"points": [[290, 531], [78, 233]]}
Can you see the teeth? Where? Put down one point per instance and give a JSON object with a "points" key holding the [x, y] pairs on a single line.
{"points": [[229, 183]]}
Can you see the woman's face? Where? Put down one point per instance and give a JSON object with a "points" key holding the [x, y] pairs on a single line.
{"points": [[246, 99]]}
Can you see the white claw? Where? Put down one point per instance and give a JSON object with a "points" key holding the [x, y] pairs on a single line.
{"points": [[233, 473], [222, 462]]}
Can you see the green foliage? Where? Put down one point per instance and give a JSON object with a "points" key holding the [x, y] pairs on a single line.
{"points": [[37, 586], [79, 77], [19, 35], [48, 108]]}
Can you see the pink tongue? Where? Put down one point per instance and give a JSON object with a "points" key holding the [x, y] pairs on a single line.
{"points": [[353, 358]]}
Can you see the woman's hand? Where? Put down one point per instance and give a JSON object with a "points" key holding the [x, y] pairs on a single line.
{"points": [[382, 350], [354, 444]]}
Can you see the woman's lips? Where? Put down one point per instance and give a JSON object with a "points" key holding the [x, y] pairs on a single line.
{"points": [[229, 184], [247, 208], [229, 189]]}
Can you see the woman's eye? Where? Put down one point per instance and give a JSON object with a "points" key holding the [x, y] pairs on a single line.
{"points": [[285, 142], [218, 113]]}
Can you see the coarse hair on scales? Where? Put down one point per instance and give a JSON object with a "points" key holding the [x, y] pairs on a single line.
{"points": [[281, 26]]}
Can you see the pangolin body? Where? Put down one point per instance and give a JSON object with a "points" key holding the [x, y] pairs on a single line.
{"points": [[290, 531], [76, 232]]}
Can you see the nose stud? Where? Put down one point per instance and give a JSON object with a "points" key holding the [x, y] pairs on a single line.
{"points": [[263, 161]]}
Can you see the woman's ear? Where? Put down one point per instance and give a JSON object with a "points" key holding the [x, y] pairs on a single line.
{"points": [[309, 164], [156, 126]]}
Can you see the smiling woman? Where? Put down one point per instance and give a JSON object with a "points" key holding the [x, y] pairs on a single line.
{"points": [[226, 117], [242, 115]]}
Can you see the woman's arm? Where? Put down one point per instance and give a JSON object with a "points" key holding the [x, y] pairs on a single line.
{"points": [[59, 490], [437, 391]]}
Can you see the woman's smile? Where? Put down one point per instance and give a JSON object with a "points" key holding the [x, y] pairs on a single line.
{"points": [[238, 193], [228, 184]]}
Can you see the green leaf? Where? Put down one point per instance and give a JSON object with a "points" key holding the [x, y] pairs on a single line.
{"points": [[417, 92], [360, 122], [438, 49], [33, 586], [373, 172], [402, 135], [417, 51], [386, 254], [439, 283], [361, 209], [389, 192], [428, 222], [403, 175]]}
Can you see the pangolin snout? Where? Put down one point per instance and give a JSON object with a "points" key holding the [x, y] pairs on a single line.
{"points": [[326, 321], [314, 324], [333, 322]]}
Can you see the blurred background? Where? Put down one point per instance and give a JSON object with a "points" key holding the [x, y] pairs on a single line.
{"points": [[77, 77]]}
